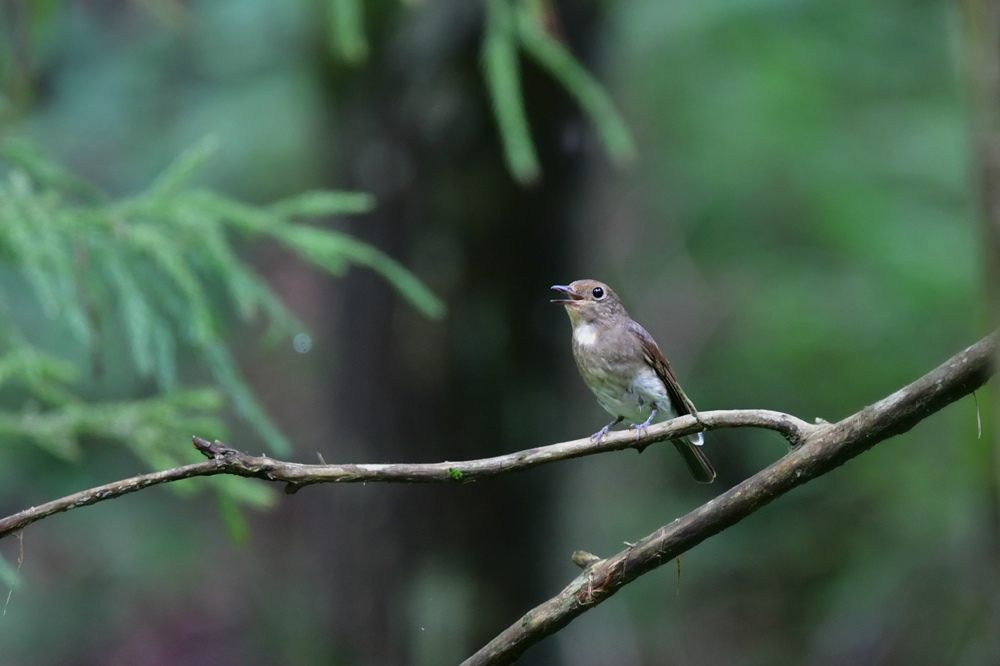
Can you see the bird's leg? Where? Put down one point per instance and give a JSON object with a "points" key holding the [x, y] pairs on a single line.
{"points": [[596, 437], [639, 427]]}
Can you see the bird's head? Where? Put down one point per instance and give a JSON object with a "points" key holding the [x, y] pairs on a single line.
{"points": [[588, 301]]}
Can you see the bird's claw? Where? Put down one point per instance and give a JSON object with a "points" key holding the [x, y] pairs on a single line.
{"points": [[597, 436], [639, 428]]}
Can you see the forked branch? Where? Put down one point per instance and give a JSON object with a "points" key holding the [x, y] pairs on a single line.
{"points": [[824, 448]]}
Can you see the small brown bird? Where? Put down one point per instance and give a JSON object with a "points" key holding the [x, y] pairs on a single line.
{"points": [[620, 362]]}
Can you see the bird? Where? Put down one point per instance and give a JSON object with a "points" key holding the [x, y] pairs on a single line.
{"points": [[621, 363]]}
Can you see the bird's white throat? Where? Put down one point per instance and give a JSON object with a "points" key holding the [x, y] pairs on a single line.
{"points": [[585, 334]]}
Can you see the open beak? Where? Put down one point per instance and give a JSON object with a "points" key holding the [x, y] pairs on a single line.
{"points": [[573, 296]]}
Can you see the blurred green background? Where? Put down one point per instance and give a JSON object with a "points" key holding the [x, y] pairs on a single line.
{"points": [[791, 212]]}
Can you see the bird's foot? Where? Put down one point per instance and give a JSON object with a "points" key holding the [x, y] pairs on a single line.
{"points": [[640, 428], [597, 436]]}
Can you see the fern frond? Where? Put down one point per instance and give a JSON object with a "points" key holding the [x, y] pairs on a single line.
{"points": [[226, 374], [161, 266], [323, 204], [502, 72], [551, 54]]}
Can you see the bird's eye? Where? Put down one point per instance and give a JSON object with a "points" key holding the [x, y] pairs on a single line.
{"points": [[598, 293]]}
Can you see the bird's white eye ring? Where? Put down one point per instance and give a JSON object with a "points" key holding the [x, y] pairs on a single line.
{"points": [[598, 293]]}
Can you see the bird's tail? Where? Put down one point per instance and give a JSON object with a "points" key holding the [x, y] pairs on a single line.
{"points": [[696, 461]]}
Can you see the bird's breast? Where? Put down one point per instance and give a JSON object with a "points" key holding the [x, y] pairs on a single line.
{"points": [[585, 335], [616, 372]]}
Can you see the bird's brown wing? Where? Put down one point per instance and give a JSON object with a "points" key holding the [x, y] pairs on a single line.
{"points": [[697, 463], [655, 358]]}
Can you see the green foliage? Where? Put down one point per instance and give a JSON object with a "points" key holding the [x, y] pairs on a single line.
{"points": [[161, 268], [23, 155], [153, 428], [510, 26], [522, 24], [347, 32], [503, 78], [552, 55], [329, 250]]}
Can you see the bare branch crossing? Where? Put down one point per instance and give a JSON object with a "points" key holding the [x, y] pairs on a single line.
{"points": [[817, 449]]}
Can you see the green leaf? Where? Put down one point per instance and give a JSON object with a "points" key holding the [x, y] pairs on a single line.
{"points": [[551, 54], [183, 168], [158, 263], [247, 291], [245, 218], [327, 249], [322, 203], [347, 31], [332, 250], [165, 354], [136, 315], [228, 376], [24, 362], [50, 431], [168, 256], [204, 399], [45, 376], [503, 80], [37, 243], [26, 156]]}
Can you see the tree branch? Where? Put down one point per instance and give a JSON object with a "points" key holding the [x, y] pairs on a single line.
{"points": [[817, 449], [22, 519], [225, 460], [824, 448]]}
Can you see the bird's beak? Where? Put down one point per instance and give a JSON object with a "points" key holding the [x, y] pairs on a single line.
{"points": [[573, 296]]}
